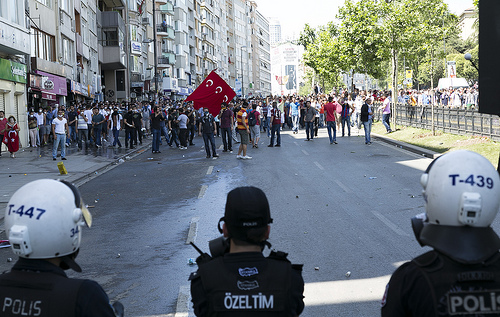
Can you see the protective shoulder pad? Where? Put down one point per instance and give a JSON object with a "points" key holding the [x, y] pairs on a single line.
{"points": [[429, 261], [278, 255], [193, 276], [297, 267]]}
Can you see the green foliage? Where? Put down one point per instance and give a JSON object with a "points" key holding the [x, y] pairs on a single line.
{"points": [[371, 33], [360, 43]]}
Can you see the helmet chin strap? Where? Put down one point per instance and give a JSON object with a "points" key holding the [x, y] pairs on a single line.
{"points": [[68, 262], [417, 224]]}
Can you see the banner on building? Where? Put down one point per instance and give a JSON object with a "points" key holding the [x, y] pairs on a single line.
{"points": [[452, 69]]}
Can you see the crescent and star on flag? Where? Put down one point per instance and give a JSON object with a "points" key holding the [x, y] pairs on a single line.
{"points": [[211, 93]]}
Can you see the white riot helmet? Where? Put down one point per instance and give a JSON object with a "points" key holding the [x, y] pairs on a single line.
{"points": [[462, 194], [43, 220]]}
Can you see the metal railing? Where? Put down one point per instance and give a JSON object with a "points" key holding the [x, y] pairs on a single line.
{"points": [[449, 120]]}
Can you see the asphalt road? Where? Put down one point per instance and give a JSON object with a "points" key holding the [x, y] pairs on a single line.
{"points": [[336, 208]]}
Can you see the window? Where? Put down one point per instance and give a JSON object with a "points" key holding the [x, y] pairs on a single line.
{"points": [[110, 37], [67, 48], [84, 31], [42, 45], [133, 32], [65, 5], [12, 11], [47, 3]]}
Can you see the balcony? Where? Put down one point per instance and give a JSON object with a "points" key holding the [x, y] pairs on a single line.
{"points": [[113, 58], [165, 31], [181, 62], [167, 8], [167, 51], [170, 56], [112, 19], [166, 60]]}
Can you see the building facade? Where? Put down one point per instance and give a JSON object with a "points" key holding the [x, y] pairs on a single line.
{"points": [[58, 52]]}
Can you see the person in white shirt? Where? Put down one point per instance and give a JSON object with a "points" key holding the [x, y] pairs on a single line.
{"points": [[82, 129], [60, 130], [88, 114], [40, 119]]}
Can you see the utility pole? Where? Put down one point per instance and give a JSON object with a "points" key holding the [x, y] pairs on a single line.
{"points": [[155, 53]]}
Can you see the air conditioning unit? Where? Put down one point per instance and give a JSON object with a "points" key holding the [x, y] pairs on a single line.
{"points": [[143, 77], [145, 21]]}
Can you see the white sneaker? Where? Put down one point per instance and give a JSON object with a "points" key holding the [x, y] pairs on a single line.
{"points": [[246, 157], [239, 156]]}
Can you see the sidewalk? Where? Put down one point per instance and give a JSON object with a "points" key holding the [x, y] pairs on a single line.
{"points": [[36, 163]]}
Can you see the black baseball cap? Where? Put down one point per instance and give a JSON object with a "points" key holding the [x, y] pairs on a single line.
{"points": [[246, 208]]}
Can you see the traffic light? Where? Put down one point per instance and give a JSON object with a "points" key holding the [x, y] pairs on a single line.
{"points": [[489, 57]]}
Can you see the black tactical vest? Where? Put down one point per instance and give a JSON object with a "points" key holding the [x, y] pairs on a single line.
{"points": [[37, 294], [263, 288], [459, 289]]}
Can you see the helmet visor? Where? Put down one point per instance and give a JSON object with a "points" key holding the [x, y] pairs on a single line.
{"points": [[87, 216]]}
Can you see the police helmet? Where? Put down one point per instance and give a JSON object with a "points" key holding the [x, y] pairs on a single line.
{"points": [[43, 220], [462, 194]]}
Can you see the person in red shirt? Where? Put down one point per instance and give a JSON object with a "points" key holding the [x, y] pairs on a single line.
{"points": [[3, 124], [331, 117]]}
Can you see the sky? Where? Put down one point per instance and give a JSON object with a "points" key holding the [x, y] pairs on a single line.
{"points": [[294, 14]]}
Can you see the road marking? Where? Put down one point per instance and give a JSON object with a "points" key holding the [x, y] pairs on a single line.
{"points": [[305, 152], [193, 227], [210, 170], [183, 300], [319, 166], [202, 191], [389, 224], [221, 147], [296, 143], [345, 188], [346, 291]]}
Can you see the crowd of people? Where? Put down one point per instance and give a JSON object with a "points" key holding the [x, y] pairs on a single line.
{"points": [[99, 123], [86, 125], [462, 98]]}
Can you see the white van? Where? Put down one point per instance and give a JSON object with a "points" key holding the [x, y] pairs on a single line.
{"points": [[445, 83]]}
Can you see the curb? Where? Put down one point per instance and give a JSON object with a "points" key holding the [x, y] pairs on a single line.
{"points": [[91, 175], [408, 147]]}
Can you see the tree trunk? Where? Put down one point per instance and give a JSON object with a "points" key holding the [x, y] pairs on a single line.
{"points": [[394, 86]]}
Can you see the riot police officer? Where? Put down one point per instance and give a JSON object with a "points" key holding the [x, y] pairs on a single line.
{"points": [[461, 275], [242, 282], [43, 221]]}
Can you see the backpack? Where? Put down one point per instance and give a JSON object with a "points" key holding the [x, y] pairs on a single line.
{"points": [[251, 118]]}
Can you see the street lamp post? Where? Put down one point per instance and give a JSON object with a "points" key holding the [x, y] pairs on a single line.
{"points": [[468, 57], [242, 73], [155, 54]]}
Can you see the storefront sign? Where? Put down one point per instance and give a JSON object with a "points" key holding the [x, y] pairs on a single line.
{"points": [[48, 96], [53, 84], [78, 88], [136, 47], [12, 71], [137, 84]]}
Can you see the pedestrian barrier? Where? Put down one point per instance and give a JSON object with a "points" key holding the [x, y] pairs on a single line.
{"points": [[449, 120]]}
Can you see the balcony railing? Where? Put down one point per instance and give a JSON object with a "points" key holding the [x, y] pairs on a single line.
{"points": [[166, 31], [167, 8]]}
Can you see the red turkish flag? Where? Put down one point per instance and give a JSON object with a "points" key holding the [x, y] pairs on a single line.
{"points": [[211, 93]]}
